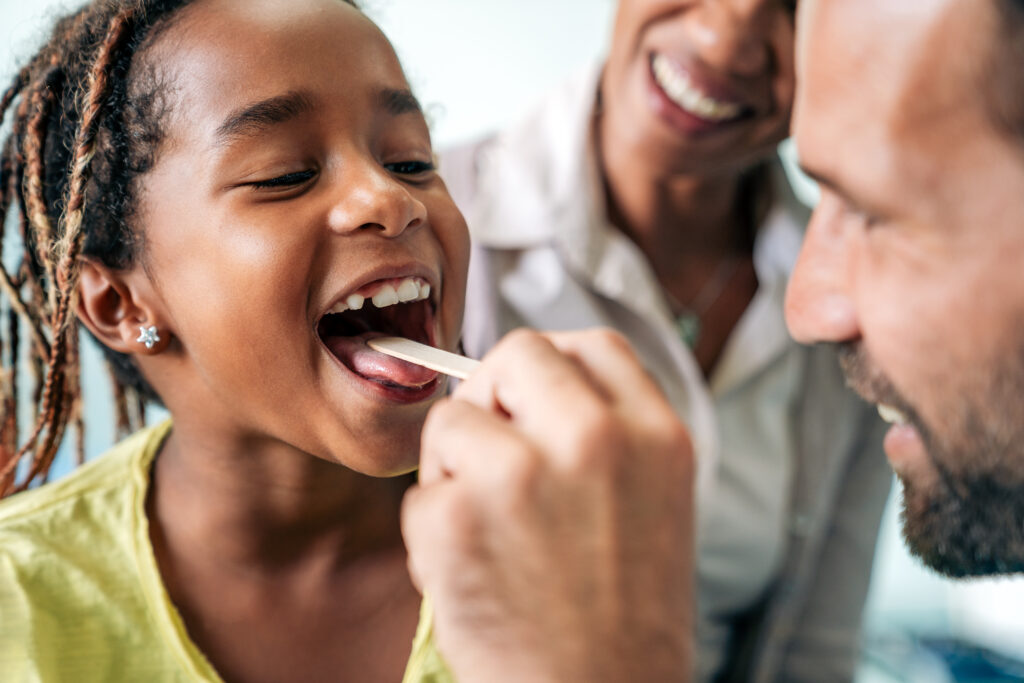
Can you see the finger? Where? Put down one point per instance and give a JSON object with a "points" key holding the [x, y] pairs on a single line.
{"points": [[612, 364], [464, 441], [646, 415], [544, 391]]}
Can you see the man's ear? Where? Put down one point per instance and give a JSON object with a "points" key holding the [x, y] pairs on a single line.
{"points": [[117, 306]]}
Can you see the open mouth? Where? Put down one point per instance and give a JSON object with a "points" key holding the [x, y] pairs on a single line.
{"points": [[398, 307], [686, 93]]}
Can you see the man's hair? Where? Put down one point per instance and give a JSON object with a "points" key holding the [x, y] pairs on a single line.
{"points": [[88, 117]]}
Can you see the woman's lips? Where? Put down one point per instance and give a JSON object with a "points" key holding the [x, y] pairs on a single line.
{"points": [[681, 100]]}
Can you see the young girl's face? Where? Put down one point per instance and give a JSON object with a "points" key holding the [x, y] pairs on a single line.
{"points": [[295, 180]]}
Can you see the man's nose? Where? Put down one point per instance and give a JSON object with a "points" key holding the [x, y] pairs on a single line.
{"points": [[371, 198], [819, 307]]}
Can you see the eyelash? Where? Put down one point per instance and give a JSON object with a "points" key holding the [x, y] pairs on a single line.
{"points": [[287, 180], [417, 167], [294, 179]]}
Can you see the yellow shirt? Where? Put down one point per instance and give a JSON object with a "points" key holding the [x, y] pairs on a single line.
{"points": [[81, 598]]}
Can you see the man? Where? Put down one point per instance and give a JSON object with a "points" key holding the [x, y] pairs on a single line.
{"points": [[910, 117]]}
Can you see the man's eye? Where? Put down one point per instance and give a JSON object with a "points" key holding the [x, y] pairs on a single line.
{"points": [[410, 167], [284, 181]]}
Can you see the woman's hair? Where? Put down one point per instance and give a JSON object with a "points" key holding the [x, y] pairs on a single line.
{"points": [[87, 122]]}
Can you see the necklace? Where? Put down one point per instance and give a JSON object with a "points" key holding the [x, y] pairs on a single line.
{"points": [[688, 321]]}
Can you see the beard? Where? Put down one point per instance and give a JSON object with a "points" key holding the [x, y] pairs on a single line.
{"points": [[970, 522]]}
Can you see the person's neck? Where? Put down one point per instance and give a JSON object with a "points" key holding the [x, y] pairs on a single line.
{"points": [[260, 505], [676, 218]]}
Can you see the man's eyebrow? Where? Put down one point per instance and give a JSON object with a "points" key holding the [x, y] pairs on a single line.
{"points": [[253, 119], [397, 102]]}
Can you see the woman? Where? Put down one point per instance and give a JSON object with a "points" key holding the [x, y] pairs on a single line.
{"points": [[647, 196]]}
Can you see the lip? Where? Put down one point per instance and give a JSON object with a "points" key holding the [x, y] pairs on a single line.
{"points": [[905, 449], [684, 121]]}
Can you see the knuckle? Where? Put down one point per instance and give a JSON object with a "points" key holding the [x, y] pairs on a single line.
{"points": [[601, 442], [521, 337], [613, 340], [513, 346], [677, 446]]}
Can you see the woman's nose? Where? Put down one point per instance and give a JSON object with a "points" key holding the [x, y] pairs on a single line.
{"points": [[372, 199], [732, 35], [818, 306]]}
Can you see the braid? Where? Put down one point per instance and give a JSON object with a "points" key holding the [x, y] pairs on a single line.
{"points": [[35, 203], [87, 124]]}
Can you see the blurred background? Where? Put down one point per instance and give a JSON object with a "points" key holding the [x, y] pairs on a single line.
{"points": [[480, 64]]}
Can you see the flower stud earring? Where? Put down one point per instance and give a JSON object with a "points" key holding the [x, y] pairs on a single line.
{"points": [[148, 336]]}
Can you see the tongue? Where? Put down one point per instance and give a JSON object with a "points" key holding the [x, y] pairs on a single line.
{"points": [[367, 363]]}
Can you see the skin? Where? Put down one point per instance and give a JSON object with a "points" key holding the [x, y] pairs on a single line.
{"points": [[676, 191], [913, 257], [281, 465]]}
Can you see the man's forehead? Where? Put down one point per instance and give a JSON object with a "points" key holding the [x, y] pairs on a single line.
{"points": [[878, 76]]}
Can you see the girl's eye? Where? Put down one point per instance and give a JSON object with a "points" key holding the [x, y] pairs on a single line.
{"points": [[411, 167], [284, 181]]}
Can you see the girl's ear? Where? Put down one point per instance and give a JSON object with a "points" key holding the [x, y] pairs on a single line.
{"points": [[119, 309]]}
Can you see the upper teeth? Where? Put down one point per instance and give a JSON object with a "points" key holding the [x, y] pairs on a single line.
{"points": [[677, 85], [892, 415], [386, 294]]}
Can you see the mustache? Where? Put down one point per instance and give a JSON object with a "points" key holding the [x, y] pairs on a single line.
{"points": [[865, 379]]}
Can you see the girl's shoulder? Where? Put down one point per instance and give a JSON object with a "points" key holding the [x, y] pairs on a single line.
{"points": [[95, 488], [75, 595]]}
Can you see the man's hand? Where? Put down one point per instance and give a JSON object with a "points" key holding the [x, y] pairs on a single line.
{"points": [[553, 522]]}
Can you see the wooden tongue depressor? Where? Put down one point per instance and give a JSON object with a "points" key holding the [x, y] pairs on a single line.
{"points": [[413, 352]]}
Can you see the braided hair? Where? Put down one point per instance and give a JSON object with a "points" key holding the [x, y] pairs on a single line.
{"points": [[88, 113], [86, 124]]}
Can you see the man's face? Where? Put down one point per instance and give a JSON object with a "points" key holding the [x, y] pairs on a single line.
{"points": [[914, 258]]}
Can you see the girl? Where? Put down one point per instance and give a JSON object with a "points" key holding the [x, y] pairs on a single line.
{"points": [[231, 197]]}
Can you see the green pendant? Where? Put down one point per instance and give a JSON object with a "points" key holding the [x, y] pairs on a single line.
{"points": [[688, 327]]}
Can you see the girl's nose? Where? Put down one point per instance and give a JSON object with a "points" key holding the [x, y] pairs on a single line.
{"points": [[372, 199]]}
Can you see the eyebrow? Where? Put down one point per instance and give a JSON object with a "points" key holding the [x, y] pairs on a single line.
{"points": [[255, 118], [398, 101]]}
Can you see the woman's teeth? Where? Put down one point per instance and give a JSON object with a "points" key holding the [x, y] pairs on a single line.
{"points": [[891, 415], [386, 294], [675, 82]]}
